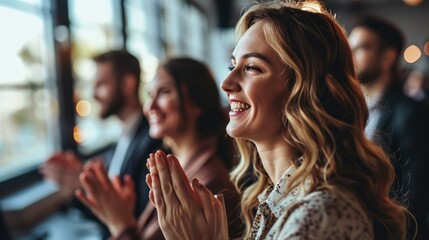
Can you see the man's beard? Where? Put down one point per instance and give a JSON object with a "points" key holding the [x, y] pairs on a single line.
{"points": [[368, 77], [115, 106]]}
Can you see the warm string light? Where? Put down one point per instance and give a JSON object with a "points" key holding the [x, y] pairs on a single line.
{"points": [[77, 135], [426, 48], [412, 54], [413, 2], [83, 108]]}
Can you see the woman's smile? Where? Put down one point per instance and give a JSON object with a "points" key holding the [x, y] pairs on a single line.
{"points": [[238, 107]]}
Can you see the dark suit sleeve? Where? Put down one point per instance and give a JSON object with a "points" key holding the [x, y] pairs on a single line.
{"points": [[141, 189], [4, 230], [412, 132]]}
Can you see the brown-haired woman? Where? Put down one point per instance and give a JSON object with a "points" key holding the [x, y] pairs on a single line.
{"points": [[183, 108]]}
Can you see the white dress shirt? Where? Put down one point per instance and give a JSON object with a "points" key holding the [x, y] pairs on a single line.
{"points": [[129, 129], [374, 116]]}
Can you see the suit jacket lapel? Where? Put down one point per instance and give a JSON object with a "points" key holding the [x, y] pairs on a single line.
{"points": [[108, 154], [385, 118], [387, 107], [383, 135], [137, 145]]}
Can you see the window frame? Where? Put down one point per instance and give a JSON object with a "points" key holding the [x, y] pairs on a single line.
{"points": [[56, 14]]}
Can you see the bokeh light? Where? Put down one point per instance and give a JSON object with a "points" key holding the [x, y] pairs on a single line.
{"points": [[412, 54], [426, 48], [83, 108], [77, 135], [413, 2]]}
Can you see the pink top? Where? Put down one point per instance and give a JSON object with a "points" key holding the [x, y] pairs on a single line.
{"points": [[209, 169]]}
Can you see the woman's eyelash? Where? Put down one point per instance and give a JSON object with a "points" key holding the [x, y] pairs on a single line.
{"points": [[250, 67], [164, 91], [231, 67]]}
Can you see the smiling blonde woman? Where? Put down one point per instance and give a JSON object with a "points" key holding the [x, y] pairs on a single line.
{"points": [[298, 115]]}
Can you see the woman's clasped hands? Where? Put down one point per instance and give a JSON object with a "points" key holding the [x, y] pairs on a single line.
{"points": [[186, 210]]}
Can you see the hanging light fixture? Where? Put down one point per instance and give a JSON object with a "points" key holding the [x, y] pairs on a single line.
{"points": [[413, 2]]}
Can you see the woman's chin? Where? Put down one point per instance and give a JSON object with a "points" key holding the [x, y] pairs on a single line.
{"points": [[155, 134], [233, 131]]}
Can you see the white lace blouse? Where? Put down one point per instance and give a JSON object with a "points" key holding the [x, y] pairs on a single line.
{"points": [[318, 215]]}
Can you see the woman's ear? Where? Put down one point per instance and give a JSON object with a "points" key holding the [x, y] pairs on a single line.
{"points": [[129, 84], [389, 58], [191, 108]]}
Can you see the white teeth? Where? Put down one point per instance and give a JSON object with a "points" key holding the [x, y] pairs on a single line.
{"points": [[154, 118], [239, 106]]}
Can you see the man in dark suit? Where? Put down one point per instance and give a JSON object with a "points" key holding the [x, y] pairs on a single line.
{"points": [[116, 89], [397, 123], [4, 230]]}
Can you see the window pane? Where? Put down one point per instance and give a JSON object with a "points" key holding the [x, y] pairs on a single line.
{"points": [[174, 27], [136, 16], [88, 41], [93, 12], [140, 40], [143, 28], [28, 107], [196, 31], [138, 46], [95, 28], [28, 129], [32, 2], [22, 47]]}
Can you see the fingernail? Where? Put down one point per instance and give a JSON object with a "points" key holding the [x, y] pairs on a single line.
{"points": [[159, 160], [160, 152], [170, 159]]}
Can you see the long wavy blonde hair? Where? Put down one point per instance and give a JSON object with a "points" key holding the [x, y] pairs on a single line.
{"points": [[324, 116]]}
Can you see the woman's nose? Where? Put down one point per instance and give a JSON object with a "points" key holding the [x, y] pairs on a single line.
{"points": [[150, 104], [230, 84]]}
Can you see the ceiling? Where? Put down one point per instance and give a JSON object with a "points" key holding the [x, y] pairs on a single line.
{"points": [[227, 12]]}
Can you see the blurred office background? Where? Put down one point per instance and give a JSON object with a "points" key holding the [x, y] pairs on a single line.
{"points": [[46, 74]]}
